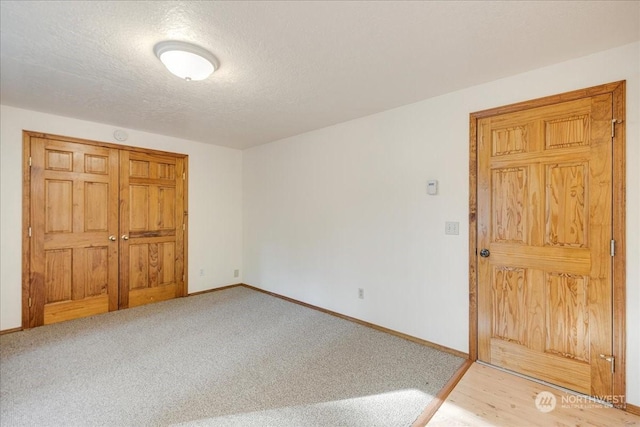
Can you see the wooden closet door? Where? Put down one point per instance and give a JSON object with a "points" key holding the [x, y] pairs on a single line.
{"points": [[151, 228], [74, 225]]}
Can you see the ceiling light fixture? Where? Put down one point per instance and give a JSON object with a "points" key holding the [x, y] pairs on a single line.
{"points": [[186, 60]]}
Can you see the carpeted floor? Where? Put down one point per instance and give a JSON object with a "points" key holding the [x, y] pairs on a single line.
{"points": [[230, 358]]}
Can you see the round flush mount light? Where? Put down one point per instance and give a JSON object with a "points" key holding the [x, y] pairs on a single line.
{"points": [[186, 60]]}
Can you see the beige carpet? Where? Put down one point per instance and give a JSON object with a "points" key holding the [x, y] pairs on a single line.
{"points": [[230, 358]]}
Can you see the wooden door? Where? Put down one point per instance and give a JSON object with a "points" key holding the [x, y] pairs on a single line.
{"points": [[545, 219], [104, 227], [74, 224], [151, 228]]}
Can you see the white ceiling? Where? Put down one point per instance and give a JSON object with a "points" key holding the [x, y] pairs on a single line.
{"points": [[286, 67]]}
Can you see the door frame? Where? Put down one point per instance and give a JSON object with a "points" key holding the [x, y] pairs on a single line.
{"points": [[618, 92], [26, 207]]}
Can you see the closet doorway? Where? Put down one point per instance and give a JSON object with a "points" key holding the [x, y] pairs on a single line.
{"points": [[104, 227]]}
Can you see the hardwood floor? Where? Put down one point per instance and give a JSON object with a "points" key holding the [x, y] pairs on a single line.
{"points": [[487, 396]]}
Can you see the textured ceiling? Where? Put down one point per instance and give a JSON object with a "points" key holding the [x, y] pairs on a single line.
{"points": [[286, 67]]}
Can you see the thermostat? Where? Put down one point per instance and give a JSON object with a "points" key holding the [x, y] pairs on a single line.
{"points": [[432, 187]]}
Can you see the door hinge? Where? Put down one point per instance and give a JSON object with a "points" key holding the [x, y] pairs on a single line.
{"points": [[184, 175], [29, 231], [184, 226], [614, 122], [613, 247], [184, 278], [29, 161], [611, 359], [29, 301]]}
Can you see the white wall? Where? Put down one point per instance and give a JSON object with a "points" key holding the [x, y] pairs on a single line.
{"points": [[345, 207], [215, 201]]}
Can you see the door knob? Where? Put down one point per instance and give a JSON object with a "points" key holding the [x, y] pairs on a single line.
{"points": [[112, 238], [484, 253], [125, 237]]}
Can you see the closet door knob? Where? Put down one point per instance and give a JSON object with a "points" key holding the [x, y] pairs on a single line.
{"points": [[125, 237], [112, 238], [484, 253]]}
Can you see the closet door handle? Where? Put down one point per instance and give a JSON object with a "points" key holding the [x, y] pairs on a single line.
{"points": [[125, 237], [112, 238]]}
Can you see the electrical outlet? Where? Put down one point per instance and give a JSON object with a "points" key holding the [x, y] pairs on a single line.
{"points": [[451, 228], [202, 271], [236, 273], [360, 293]]}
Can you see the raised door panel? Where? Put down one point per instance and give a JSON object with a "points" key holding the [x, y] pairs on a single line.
{"points": [[166, 211], [57, 275], [567, 318], [509, 199], [96, 209], [566, 205], [139, 207]]}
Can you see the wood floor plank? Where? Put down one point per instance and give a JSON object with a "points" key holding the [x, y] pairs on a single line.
{"points": [[435, 404], [486, 396]]}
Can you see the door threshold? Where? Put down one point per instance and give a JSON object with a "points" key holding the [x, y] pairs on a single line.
{"points": [[547, 384]]}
